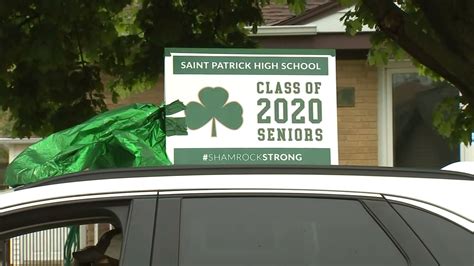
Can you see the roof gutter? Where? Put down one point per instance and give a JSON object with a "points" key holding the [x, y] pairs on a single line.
{"points": [[15, 145], [7, 141], [286, 30]]}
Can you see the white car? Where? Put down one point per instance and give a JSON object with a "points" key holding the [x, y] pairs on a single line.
{"points": [[231, 216]]}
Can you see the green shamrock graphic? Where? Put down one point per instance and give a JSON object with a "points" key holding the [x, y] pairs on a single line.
{"points": [[213, 106]]}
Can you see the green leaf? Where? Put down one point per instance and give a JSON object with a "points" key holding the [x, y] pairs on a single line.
{"points": [[297, 6], [231, 115], [213, 98], [214, 107], [453, 122], [196, 115]]}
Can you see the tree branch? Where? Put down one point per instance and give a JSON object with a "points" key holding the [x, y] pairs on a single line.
{"points": [[79, 46], [453, 22], [425, 48]]}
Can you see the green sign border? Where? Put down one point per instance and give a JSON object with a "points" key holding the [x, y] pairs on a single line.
{"points": [[319, 156], [322, 62], [195, 156]]}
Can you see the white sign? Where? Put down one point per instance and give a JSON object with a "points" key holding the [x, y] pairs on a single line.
{"points": [[254, 106]]}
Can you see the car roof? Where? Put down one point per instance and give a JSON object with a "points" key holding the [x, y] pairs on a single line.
{"points": [[447, 190], [245, 170], [464, 167]]}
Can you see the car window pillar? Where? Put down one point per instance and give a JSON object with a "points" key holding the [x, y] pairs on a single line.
{"points": [[166, 242], [138, 236], [414, 250]]}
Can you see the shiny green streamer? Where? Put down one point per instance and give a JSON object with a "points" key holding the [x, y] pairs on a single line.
{"points": [[71, 245], [131, 136]]}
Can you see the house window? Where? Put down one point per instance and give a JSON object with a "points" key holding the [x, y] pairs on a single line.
{"points": [[407, 137], [416, 142]]}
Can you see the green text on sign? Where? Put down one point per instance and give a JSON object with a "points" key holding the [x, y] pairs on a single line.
{"points": [[255, 156], [247, 65]]}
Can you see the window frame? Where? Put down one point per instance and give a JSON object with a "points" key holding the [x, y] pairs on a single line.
{"points": [[443, 213], [166, 245], [385, 112], [136, 215], [409, 243], [432, 211]]}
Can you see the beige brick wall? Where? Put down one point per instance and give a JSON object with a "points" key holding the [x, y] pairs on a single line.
{"points": [[357, 126], [153, 95]]}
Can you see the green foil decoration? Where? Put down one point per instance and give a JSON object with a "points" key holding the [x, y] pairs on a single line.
{"points": [[71, 245], [131, 136]]}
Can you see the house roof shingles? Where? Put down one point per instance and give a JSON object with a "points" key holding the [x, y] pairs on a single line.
{"points": [[274, 14]]}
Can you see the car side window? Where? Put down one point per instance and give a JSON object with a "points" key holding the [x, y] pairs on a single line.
{"points": [[282, 231], [42, 236], [56, 246], [449, 243]]}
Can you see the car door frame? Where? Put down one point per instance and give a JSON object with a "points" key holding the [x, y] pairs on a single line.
{"points": [[136, 212]]}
